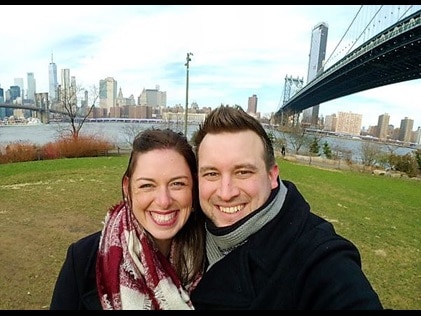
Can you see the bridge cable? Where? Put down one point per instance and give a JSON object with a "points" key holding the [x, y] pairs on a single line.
{"points": [[368, 24], [344, 34], [403, 14]]}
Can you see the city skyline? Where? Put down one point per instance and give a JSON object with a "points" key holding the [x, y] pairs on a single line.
{"points": [[247, 50]]}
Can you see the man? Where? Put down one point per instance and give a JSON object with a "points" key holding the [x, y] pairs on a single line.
{"points": [[265, 248]]}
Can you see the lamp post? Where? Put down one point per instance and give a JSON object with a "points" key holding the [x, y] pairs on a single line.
{"points": [[187, 92]]}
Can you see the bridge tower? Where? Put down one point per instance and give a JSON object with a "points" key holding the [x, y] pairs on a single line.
{"points": [[291, 87], [41, 101]]}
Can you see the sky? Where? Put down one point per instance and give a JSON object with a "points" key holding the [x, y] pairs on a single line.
{"points": [[237, 51]]}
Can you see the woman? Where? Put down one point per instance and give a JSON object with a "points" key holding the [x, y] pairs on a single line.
{"points": [[150, 252]]}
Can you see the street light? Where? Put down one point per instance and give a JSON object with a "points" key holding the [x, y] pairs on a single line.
{"points": [[187, 92]]}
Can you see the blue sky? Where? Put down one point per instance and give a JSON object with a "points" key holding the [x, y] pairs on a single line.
{"points": [[238, 51]]}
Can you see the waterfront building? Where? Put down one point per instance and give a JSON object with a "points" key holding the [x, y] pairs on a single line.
{"points": [[1, 96], [349, 123], [122, 101], [417, 138], [156, 99], [330, 123], [405, 130], [19, 82], [383, 126], [107, 93], [31, 87], [65, 79]]}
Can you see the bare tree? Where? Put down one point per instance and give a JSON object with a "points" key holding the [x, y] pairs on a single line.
{"points": [[340, 153], [76, 115], [130, 131], [297, 138], [371, 153]]}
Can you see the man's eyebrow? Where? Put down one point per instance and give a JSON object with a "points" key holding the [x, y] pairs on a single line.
{"points": [[206, 168]]}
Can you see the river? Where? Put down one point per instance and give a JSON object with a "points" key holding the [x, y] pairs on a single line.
{"points": [[118, 133], [122, 135]]}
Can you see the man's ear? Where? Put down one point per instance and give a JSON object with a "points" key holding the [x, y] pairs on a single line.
{"points": [[273, 175]]}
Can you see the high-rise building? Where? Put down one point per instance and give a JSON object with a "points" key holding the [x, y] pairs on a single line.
{"points": [[405, 129], [383, 126], [19, 82], [15, 93], [52, 80], [31, 87], [107, 93], [67, 90], [349, 123], [252, 104], [330, 123], [2, 110], [154, 98], [65, 79], [418, 136], [315, 65]]}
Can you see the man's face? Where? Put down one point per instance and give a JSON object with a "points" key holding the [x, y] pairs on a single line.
{"points": [[233, 180]]}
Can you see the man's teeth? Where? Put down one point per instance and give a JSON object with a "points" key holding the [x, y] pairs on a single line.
{"points": [[230, 210]]}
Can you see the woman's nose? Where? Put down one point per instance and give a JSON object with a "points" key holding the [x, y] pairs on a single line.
{"points": [[163, 198]]}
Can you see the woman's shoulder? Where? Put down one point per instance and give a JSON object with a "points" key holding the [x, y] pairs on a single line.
{"points": [[87, 243]]}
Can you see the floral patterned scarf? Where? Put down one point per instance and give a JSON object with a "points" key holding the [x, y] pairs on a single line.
{"points": [[131, 273]]}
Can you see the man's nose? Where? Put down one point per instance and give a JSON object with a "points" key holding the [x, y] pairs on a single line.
{"points": [[227, 188]]}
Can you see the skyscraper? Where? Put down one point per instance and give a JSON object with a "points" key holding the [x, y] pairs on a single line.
{"points": [[252, 104], [31, 87], [315, 65], [19, 82], [349, 123], [405, 129], [65, 79], [383, 126], [52, 80], [107, 93]]}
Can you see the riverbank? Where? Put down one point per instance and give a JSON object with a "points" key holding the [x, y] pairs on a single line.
{"points": [[340, 164]]}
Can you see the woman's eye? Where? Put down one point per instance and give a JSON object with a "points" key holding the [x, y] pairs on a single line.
{"points": [[145, 186], [178, 184]]}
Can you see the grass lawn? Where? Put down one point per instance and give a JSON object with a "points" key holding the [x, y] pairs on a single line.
{"points": [[46, 205]]}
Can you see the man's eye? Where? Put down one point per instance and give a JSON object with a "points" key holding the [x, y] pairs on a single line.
{"points": [[210, 174], [244, 173]]}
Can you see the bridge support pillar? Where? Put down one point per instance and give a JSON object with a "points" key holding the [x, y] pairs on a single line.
{"points": [[44, 117]]}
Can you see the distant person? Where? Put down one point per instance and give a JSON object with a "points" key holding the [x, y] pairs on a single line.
{"points": [[283, 150], [265, 248], [150, 252]]}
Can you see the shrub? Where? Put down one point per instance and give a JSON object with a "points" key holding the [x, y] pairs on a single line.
{"points": [[19, 152], [406, 163], [65, 147], [83, 146]]}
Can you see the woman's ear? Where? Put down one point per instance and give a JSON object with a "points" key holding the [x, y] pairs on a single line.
{"points": [[126, 186]]}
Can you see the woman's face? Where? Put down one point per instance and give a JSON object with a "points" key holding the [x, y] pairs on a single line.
{"points": [[161, 193]]}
